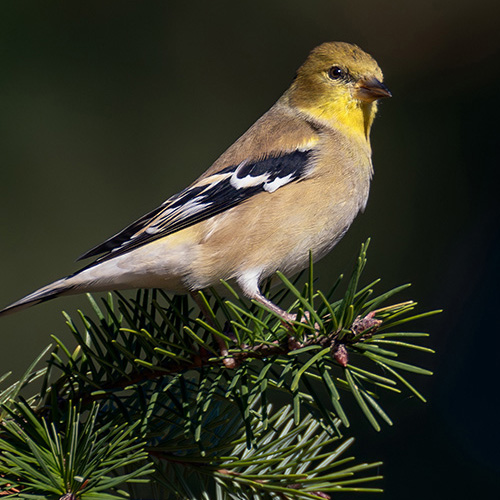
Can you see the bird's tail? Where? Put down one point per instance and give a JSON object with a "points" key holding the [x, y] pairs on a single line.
{"points": [[60, 287]]}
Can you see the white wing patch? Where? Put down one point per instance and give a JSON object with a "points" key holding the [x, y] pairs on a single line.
{"points": [[189, 209], [272, 186], [248, 180], [210, 196]]}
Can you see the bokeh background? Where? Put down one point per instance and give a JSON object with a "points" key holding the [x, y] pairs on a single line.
{"points": [[108, 108]]}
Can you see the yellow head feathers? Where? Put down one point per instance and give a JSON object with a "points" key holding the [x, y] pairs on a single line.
{"points": [[338, 85]]}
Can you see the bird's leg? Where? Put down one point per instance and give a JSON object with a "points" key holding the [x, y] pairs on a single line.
{"points": [[286, 316], [228, 361]]}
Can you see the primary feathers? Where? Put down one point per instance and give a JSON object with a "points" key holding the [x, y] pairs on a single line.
{"points": [[292, 183], [211, 196]]}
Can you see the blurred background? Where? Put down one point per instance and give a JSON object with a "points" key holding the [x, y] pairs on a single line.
{"points": [[108, 108]]}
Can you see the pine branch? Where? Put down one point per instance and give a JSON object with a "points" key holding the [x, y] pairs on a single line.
{"points": [[154, 365]]}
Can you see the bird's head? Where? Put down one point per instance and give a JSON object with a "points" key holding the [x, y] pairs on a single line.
{"points": [[339, 85]]}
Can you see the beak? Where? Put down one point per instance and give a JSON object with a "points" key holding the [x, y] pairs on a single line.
{"points": [[371, 89]]}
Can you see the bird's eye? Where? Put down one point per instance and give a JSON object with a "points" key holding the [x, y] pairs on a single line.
{"points": [[336, 73]]}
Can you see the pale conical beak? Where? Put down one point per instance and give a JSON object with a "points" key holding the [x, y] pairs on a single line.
{"points": [[371, 89]]}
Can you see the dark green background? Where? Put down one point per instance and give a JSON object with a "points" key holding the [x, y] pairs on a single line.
{"points": [[107, 108]]}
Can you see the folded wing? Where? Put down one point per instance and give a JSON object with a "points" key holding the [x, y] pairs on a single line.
{"points": [[210, 196]]}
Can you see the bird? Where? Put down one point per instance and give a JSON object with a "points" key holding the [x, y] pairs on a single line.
{"points": [[291, 185]]}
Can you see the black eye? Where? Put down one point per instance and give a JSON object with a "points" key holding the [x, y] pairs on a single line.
{"points": [[336, 73]]}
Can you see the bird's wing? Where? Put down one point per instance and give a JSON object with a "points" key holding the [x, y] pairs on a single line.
{"points": [[209, 196]]}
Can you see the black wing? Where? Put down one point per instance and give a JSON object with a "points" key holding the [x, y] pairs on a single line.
{"points": [[210, 196]]}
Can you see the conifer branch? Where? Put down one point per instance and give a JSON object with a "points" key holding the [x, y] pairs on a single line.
{"points": [[151, 368]]}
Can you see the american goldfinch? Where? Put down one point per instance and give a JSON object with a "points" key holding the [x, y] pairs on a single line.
{"points": [[291, 184]]}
